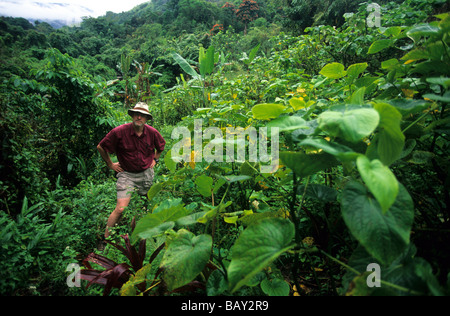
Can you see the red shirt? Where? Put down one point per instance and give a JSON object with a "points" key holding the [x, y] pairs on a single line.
{"points": [[135, 153]]}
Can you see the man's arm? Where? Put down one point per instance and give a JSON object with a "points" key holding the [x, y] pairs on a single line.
{"points": [[157, 155], [113, 166]]}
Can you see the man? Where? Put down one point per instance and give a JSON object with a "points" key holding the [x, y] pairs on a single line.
{"points": [[138, 147]]}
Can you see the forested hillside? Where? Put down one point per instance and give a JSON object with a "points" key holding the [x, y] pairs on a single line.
{"points": [[339, 169]]}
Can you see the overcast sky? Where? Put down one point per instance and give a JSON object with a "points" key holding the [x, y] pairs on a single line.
{"points": [[67, 10]]}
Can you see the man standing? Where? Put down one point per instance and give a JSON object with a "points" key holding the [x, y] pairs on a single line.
{"points": [[138, 147]]}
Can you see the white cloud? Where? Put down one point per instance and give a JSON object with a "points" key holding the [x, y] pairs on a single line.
{"points": [[66, 10]]}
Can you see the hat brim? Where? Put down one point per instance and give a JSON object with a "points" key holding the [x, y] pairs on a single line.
{"points": [[131, 111]]}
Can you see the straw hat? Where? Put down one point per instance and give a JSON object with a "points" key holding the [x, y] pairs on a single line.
{"points": [[141, 108]]}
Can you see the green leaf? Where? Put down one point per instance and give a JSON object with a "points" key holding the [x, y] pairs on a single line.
{"points": [[390, 139], [288, 123], [208, 215], [297, 104], [358, 96], [305, 165], [356, 69], [379, 45], [217, 284], [421, 157], [190, 219], [409, 106], [232, 179], [318, 192], [185, 65], [380, 180], [275, 287], [334, 71], [422, 30], [384, 235], [204, 185], [170, 163], [393, 31], [206, 60], [352, 125], [252, 54], [268, 111], [185, 257], [157, 223], [341, 152], [445, 98], [154, 190], [257, 247]]}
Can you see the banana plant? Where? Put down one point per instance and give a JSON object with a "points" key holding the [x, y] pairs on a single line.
{"points": [[248, 59], [206, 61]]}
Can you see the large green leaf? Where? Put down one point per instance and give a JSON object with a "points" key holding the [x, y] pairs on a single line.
{"points": [[341, 152], [185, 65], [170, 163], [288, 123], [390, 139], [258, 246], [333, 71], [379, 45], [267, 111], [158, 222], [355, 70], [252, 54], [305, 165], [275, 287], [380, 180], [422, 30], [185, 257], [154, 190], [206, 60], [383, 235], [204, 185], [409, 106], [352, 125]]}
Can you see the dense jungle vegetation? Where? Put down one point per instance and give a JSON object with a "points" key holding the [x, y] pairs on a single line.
{"points": [[360, 104]]}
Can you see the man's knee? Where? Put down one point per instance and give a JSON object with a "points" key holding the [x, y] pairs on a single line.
{"points": [[122, 204], [119, 210]]}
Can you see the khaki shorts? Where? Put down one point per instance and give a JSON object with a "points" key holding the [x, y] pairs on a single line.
{"points": [[127, 182]]}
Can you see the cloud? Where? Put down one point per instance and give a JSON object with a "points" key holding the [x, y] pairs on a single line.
{"points": [[70, 11]]}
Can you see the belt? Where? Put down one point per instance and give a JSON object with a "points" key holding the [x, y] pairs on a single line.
{"points": [[135, 171]]}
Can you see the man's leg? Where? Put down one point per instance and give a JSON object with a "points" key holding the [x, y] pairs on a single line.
{"points": [[116, 214]]}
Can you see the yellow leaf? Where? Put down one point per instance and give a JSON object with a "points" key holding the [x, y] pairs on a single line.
{"points": [[297, 103], [284, 213], [308, 241], [231, 219], [409, 61], [192, 162], [409, 93], [318, 269], [234, 95]]}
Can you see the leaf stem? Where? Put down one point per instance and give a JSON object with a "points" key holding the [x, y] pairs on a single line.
{"points": [[389, 284]]}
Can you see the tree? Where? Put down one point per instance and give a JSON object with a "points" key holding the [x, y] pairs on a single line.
{"points": [[72, 112], [247, 12]]}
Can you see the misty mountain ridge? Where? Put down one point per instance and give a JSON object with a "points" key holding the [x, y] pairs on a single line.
{"points": [[57, 14]]}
